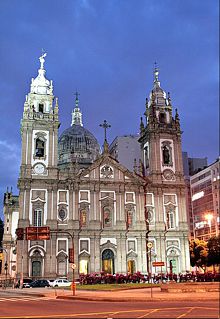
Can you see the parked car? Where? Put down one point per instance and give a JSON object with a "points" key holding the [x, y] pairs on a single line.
{"points": [[61, 283], [51, 281], [40, 283], [26, 283]]}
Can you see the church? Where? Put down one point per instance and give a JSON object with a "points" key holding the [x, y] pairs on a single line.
{"points": [[100, 215]]}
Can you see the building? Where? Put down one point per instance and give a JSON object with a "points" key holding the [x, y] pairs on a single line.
{"points": [[101, 216], [11, 216], [126, 149], [205, 202], [191, 165]]}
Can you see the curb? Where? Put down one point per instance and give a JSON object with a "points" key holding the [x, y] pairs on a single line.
{"points": [[154, 299], [23, 293]]}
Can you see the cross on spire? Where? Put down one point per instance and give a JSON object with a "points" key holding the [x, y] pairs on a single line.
{"points": [[105, 126], [77, 95]]}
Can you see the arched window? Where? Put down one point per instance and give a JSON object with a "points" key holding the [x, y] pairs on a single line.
{"points": [[40, 148], [162, 118], [41, 108], [61, 265], [37, 217]]}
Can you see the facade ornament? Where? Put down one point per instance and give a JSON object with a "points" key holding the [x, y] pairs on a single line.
{"points": [[105, 126], [141, 125]]}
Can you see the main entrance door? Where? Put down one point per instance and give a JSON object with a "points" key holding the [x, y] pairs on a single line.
{"points": [[36, 269], [108, 261]]}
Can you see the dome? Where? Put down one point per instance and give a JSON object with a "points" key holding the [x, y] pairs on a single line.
{"points": [[77, 144]]}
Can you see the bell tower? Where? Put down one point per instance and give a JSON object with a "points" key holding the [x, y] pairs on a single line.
{"points": [[160, 141], [161, 137], [39, 128]]}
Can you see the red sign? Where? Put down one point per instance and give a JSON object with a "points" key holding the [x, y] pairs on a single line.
{"points": [[71, 255], [158, 263], [38, 233]]}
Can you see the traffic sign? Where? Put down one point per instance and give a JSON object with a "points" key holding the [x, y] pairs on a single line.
{"points": [[158, 263], [73, 266], [149, 244]]}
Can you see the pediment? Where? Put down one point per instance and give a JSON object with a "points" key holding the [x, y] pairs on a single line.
{"points": [[131, 254], [107, 169]]}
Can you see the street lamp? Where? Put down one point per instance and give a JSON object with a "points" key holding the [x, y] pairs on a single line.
{"points": [[6, 266], [209, 218]]}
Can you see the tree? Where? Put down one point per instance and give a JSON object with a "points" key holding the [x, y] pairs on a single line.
{"points": [[213, 251], [198, 253]]}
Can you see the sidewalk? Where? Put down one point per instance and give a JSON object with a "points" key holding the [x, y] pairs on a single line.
{"points": [[131, 295]]}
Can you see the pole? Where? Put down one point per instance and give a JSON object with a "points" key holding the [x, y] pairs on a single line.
{"points": [[73, 266], [150, 277]]}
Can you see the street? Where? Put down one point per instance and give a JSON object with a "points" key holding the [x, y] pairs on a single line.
{"points": [[49, 307]]}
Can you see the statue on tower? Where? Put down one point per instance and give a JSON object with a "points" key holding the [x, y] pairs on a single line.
{"points": [[42, 60]]}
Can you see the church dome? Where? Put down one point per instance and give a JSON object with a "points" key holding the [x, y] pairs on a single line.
{"points": [[77, 144]]}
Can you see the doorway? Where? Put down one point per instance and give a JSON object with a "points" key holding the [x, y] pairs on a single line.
{"points": [[36, 268], [108, 261], [131, 266]]}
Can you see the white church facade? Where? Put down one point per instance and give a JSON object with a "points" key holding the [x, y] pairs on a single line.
{"points": [[91, 202]]}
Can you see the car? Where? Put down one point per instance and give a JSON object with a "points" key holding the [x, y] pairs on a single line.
{"points": [[51, 281], [40, 283], [61, 283], [26, 283]]}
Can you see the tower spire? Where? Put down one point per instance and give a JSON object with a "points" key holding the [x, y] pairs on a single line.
{"points": [[156, 74], [76, 113]]}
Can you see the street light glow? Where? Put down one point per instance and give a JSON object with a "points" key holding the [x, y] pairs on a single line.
{"points": [[209, 217]]}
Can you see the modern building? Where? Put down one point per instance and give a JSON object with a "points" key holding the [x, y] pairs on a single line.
{"points": [[191, 165], [112, 216], [204, 187]]}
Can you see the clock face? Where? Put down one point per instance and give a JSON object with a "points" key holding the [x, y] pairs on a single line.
{"points": [[168, 175], [39, 168]]}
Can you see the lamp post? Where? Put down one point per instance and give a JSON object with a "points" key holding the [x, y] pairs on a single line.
{"points": [[209, 218], [6, 265]]}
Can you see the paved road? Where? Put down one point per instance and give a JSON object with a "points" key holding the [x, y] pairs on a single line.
{"points": [[49, 307]]}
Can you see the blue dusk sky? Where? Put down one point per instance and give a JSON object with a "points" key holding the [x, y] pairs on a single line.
{"points": [[106, 49]]}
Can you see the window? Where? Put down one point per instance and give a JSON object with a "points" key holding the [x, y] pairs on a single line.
{"points": [[170, 220], [40, 146], [41, 108], [38, 217], [162, 118]]}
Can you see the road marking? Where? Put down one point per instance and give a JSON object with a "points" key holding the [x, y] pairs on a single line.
{"points": [[15, 299], [109, 313], [145, 315], [186, 313]]}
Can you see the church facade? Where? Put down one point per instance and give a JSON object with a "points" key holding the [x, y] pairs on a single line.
{"points": [[91, 202]]}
